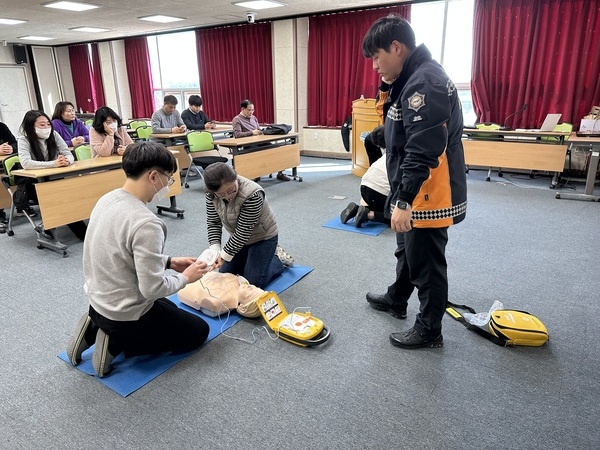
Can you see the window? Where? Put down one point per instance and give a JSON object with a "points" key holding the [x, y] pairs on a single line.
{"points": [[446, 28], [174, 67]]}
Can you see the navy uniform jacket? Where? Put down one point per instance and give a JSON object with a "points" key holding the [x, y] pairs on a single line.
{"points": [[423, 130]]}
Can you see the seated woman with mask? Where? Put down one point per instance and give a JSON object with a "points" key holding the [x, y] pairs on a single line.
{"points": [[108, 136], [41, 147], [71, 129], [240, 206]]}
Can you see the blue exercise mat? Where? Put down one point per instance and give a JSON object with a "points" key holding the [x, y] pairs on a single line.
{"points": [[371, 228], [130, 374]]}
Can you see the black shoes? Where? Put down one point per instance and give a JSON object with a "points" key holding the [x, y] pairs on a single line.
{"points": [[411, 338], [349, 212], [283, 177], [381, 303], [361, 216], [29, 210]]}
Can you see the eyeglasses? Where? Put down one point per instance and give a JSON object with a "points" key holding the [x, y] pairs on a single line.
{"points": [[170, 177], [228, 192]]}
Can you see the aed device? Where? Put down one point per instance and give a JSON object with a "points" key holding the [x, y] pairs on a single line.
{"points": [[299, 328]]}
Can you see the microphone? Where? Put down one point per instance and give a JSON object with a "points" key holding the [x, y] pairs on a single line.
{"points": [[505, 128]]}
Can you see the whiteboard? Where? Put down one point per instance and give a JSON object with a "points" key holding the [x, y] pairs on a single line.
{"points": [[15, 98]]}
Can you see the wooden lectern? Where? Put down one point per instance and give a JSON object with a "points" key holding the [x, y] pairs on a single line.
{"points": [[364, 119]]}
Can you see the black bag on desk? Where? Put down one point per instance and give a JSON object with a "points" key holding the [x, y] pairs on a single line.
{"points": [[277, 128]]}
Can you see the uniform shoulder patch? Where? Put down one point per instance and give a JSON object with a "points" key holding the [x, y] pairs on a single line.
{"points": [[416, 101]]}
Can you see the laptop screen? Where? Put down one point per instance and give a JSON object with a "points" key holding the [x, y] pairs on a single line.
{"points": [[550, 122]]}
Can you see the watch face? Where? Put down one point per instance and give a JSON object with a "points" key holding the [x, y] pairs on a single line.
{"points": [[402, 205]]}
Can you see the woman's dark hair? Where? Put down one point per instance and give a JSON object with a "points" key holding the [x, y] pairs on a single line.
{"points": [[59, 109], [195, 100], [142, 156], [246, 103], [100, 117], [216, 174], [386, 30], [28, 130]]}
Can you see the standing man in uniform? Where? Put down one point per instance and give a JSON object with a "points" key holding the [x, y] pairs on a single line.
{"points": [[426, 170]]}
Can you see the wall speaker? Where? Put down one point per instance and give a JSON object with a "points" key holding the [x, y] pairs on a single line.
{"points": [[20, 54]]}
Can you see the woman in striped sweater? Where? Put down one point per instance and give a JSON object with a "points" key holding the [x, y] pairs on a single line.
{"points": [[240, 206]]}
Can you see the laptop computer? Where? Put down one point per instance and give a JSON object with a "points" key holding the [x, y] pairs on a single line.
{"points": [[550, 122]]}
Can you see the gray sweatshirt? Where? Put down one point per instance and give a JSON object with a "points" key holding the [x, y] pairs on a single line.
{"points": [[123, 260], [163, 123]]}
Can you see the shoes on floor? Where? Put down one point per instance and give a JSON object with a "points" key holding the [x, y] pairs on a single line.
{"points": [[256, 180], [102, 359], [29, 210], [349, 212], [192, 173], [284, 256], [3, 216], [283, 177], [413, 339], [362, 216], [2, 228], [77, 343], [380, 302]]}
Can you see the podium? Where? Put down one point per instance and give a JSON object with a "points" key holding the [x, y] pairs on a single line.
{"points": [[364, 119]]}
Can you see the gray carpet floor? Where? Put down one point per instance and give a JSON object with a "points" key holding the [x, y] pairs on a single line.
{"points": [[518, 245]]}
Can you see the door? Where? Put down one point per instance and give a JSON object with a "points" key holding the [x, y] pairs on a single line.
{"points": [[15, 98]]}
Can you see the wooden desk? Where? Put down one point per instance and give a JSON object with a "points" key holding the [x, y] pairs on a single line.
{"points": [[68, 194], [593, 145], [515, 149], [256, 156]]}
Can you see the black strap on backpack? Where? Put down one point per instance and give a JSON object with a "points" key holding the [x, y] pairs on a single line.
{"points": [[450, 309]]}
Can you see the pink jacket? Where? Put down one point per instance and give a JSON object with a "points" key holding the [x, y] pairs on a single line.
{"points": [[104, 145]]}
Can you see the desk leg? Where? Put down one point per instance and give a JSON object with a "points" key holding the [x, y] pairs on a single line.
{"points": [[172, 208], [295, 174], [589, 183]]}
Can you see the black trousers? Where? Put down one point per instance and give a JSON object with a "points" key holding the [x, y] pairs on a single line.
{"points": [[421, 263], [376, 203], [164, 328]]}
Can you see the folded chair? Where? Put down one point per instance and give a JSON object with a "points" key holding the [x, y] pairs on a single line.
{"points": [[199, 142], [45, 238], [134, 125]]}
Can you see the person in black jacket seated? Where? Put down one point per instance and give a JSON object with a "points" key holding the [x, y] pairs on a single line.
{"points": [[194, 118], [8, 146]]}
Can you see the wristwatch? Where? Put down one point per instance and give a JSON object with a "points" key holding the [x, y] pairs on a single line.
{"points": [[402, 204]]}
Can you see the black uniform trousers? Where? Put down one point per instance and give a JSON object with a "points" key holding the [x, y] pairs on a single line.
{"points": [[163, 328], [421, 263], [376, 203]]}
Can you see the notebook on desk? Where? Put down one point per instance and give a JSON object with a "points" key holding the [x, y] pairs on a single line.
{"points": [[550, 122]]}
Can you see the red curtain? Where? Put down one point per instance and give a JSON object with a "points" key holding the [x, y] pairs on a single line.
{"points": [[338, 73], [545, 54], [235, 64], [139, 74], [87, 77]]}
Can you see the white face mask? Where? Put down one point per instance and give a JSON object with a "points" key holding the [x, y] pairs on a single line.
{"points": [[113, 126], [43, 133], [162, 193]]}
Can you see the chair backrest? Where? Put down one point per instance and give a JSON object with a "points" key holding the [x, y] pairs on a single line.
{"points": [[135, 124], [561, 127], [8, 167], [144, 132], [487, 126], [89, 122], [200, 141], [83, 152]]}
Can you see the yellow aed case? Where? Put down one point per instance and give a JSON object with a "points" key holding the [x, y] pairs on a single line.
{"points": [[518, 328], [298, 328]]}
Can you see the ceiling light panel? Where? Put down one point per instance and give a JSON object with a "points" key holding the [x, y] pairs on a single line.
{"points": [[259, 4], [161, 19], [71, 6]]}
